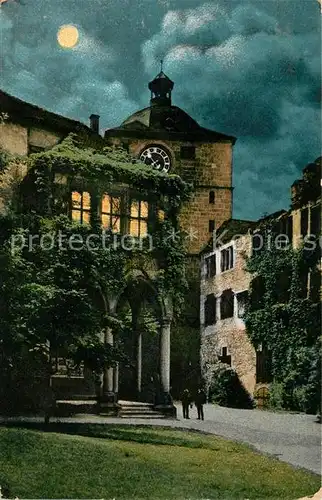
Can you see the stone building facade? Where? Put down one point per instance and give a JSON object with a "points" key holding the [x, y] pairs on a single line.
{"points": [[27, 129], [224, 289], [198, 155], [167, 138], [163, 137], [225, 281]]}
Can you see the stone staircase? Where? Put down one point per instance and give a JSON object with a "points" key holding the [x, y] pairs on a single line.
{"points": [[88, 405], [133, 409]]}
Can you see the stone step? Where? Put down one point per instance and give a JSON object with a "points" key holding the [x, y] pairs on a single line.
{"points": [[134, 404], [137, 407], [136, 412], [153, 415]]}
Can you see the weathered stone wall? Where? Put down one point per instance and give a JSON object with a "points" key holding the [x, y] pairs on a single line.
{"points": [[14, 138], [43, 138], [229, 332]]}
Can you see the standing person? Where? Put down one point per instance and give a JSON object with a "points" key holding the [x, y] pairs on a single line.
{"points": [[200, 401], [185, 400]]}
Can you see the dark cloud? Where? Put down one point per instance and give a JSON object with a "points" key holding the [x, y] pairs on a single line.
{"points": [[249, 68]]}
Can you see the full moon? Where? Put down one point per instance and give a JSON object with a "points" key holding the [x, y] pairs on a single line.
{"points": [[68, 36]]}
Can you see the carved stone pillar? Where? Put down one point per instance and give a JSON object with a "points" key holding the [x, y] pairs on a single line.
{"points": [[108, 376], [165, 356], [116, 381], [139, 364], [165, 403]]}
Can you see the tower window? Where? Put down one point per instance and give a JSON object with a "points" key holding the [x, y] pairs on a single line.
{"points": [[188, 153], [210, 310], [211, 226], [81, 207], [211, 266], [227, 258], [139, 214], [212, 197], [227, 304], [111, 213]]}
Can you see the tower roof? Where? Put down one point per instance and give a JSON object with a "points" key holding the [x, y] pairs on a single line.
{"points": [[160, 82], [161, 87], [161, 120]]}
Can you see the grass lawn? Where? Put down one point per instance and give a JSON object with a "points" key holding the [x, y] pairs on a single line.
{"points": [[148, 463]]}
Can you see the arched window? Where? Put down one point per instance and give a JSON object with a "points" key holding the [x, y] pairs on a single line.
{"points": [[212, 197], [81, 207]]}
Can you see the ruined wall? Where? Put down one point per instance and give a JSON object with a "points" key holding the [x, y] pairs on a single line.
{"points": [[230, 332]]}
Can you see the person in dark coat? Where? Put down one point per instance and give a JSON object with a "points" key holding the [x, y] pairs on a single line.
{"points": [[200, 401], [185, 400]]}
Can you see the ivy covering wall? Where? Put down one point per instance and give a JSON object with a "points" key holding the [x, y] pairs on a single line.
{"points": [[284, 317], [62, 295]]}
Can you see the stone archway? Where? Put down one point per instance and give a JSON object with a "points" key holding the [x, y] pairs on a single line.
{"points": [[140, 309], [140, 291], [140, 341]]}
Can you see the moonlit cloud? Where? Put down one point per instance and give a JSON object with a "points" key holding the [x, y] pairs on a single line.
{"points": [[250, 76], [249, 68]]}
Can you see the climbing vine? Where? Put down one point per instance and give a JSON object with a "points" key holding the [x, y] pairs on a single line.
{"points": [[283, 315]]}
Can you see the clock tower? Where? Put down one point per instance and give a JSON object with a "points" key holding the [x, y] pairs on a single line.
{"points": [[166, 138]]}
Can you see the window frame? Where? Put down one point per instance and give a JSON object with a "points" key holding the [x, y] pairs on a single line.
{"points": [[227, 260], [112, 196], [210, 266], [226, 313], [210, 313], [140, 219], [211, 223], [81, 210], [188, 152]]}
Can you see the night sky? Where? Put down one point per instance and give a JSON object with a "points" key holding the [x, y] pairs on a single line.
{"points": [[248, 68]]}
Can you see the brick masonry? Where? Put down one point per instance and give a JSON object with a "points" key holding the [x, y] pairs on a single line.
{"points": [[230, 332], [210, 171]]}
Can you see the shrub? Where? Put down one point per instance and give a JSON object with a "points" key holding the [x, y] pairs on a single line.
{"points": [[227, 390], [276, 396]]}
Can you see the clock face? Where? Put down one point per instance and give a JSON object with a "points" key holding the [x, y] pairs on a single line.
{"points": [[156, 157]]}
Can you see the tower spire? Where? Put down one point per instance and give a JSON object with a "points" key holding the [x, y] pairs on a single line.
{"points": [[161, 88]]}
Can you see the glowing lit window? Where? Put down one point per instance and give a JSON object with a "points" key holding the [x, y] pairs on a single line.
{"points": [[139, 218], [81, 207], [111, 213]]}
